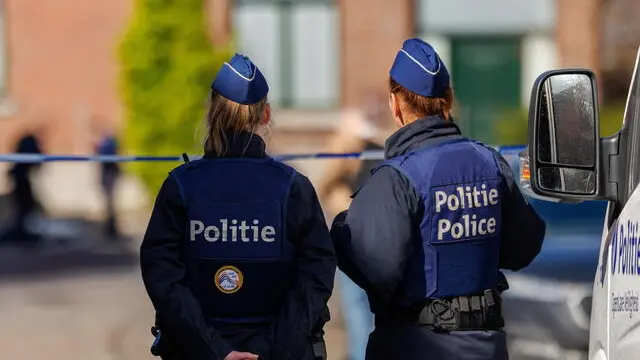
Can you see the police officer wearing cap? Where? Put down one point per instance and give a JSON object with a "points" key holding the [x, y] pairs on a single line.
{"points": [[237, 257], [429, 231]]}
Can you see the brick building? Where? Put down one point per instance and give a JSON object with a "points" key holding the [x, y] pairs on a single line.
{"points": [[58, 64]]}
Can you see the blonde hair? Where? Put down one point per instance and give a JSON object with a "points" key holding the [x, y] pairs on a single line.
{"points": [[424, 106], [224, 117]]}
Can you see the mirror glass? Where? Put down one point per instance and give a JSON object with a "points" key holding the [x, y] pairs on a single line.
{"points": [[576, 181], [567, 120]]}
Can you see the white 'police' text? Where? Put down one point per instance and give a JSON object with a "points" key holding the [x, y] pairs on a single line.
{"points": [[214, 233], [463, 198]]}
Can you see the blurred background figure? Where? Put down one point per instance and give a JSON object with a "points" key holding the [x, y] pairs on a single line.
{"points": [[361, 129], [109, 174], [24, 201]]}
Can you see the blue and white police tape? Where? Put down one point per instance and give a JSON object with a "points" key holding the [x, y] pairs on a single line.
{"points": [[365, 155]]}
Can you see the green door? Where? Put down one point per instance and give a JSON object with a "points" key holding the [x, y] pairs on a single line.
{"points": [[486, 77]]}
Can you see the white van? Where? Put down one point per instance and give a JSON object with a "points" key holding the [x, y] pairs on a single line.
{"points": [[569, 162]]}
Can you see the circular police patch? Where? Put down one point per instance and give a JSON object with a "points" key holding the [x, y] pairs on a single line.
{"points": [[228, 279]]}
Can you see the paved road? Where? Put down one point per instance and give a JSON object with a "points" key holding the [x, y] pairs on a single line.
{"points": [[94, 317], [84, 300]]}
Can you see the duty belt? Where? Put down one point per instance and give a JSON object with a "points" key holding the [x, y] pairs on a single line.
{"points": [[476, 312]]}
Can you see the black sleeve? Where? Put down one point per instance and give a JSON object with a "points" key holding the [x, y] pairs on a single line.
{"points": [[316, 264], [375, 238], [522, 229], [163, 274]]}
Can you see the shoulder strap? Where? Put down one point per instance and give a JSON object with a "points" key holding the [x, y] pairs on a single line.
{"points": [[494, 156], [397, 161]]}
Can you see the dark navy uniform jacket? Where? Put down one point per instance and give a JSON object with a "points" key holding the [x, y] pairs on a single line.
{"points": [[27, 145], [179, 312], [20, 173], [375, 238]]}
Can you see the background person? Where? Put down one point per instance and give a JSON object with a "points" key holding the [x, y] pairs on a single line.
{"points": [[361, 129], [109, 175], [25, 203]]}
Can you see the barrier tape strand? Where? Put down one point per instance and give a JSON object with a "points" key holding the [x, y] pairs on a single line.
{"points": [[365, 155]]}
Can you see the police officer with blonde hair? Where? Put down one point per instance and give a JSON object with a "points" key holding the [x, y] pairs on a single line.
{"points": [[237, 257], [427, 234]]}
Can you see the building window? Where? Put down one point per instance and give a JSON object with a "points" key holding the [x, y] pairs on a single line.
{"points": [[295, 43]]}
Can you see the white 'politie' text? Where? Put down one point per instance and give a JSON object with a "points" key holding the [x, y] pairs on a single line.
{"points": [[240, 231]]}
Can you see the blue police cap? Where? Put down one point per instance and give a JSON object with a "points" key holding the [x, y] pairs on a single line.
{"points": [[418, 68], [241, 81]]}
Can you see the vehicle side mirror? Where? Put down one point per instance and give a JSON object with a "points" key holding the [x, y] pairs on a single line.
{"points": [[564, 141]]}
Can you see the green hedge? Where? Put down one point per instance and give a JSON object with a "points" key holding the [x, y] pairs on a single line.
{"points": [[512, 125], [167, 64]]}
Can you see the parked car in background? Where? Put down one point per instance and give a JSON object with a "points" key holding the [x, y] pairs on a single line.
{"points": [[548, 306]]}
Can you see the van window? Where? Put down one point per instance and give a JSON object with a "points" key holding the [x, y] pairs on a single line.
{"points": [[632, 122]]}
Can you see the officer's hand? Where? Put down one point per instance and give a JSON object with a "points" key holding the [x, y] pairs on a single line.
{"points": [[237, 355]]}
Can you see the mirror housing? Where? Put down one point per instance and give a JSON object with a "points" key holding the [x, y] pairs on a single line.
{"points": [[524, 175], [564, 138]]}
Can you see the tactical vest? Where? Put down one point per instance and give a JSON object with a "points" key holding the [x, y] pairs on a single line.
{"points": [[458, 240], [239, 260]]}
